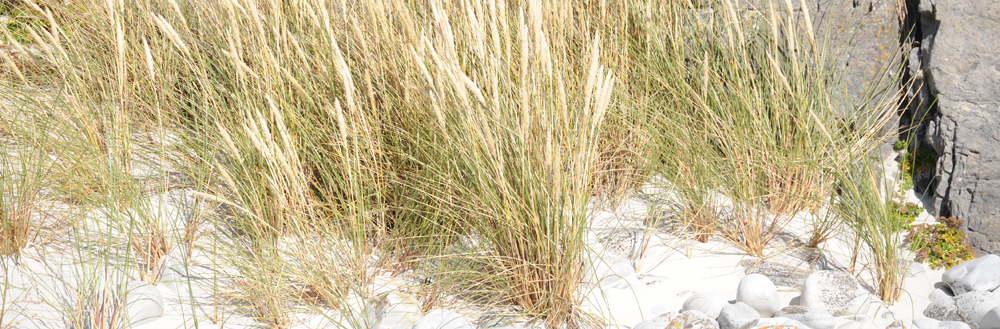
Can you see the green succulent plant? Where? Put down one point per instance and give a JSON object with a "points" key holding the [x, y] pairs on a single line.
{"points": [[940, 245]]}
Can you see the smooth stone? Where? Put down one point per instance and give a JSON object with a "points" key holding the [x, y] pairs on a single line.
{"points": [[953, 325], [757, 291], [794, 323], [708, 303], [689, 319], [939, 293], [661, 321], [143, 303], [443, 319], [837, 292], [926, 323], [738, 316], [814, 318], [973, 306], [980, 274], [943, 309], [694, 320], [990, 320]]}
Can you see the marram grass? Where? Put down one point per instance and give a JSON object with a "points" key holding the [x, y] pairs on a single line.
{"points": [[387, 132]]}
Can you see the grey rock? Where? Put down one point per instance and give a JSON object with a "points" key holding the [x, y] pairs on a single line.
{"points": [[960, 56], [690, 320], [943, 309], [835, 291], [758, 292], [738, 316], [443, 319], [866, 41], [795, 324], [708, 303], [940, 293], [974, 305], [143, 303], [953, 325], [980, 274], [780, 274], [990, 320], [814, 318], [661, 321], [926, 323]]}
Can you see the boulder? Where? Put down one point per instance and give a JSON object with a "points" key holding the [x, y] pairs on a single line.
{"points": [[836, 292], [694, 320], [661, 321], [708, 303], [974, 305], [960, 65], [795, 324], [953, 325], [926, 323], [757, 291], [980, 274], [443, 319], [943, 309], [687, 320], [991, 320], [969, 307], [817, 318], [738, 316]]}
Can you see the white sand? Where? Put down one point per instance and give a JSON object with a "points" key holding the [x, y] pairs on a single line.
{"points": [[622, 289]]}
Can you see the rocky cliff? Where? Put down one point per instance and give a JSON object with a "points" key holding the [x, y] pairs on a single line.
{"points": [[957, 65]]}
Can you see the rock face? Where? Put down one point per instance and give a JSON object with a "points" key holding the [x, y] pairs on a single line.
{"points": [[959, 64], [867, 32]]}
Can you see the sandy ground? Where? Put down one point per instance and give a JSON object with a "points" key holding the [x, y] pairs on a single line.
{"points": [[636, 273]]}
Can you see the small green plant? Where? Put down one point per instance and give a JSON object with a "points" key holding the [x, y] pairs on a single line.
{"points": [[900, 145], [920, 161], [940, 245], [904, 213]]}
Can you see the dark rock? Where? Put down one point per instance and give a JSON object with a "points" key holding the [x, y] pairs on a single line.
{"points": [[960, 54], [866, 38]]}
